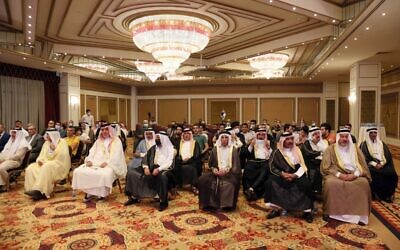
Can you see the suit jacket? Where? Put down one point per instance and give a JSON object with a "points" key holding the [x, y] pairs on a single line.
{"points": [[4, 140], [36, 144]]}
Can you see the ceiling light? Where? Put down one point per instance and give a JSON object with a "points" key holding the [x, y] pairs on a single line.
{"points": [[303, 43], [103, 57], [84, 55], [333, 21], [350, 20], [29, 17], [334, 38], [29, 25], [392, 66], [62, 66], [345, 47], [269, 65], [93, 66], [65, 53], [170, 38], [286, 47], [24, 58], [44, 62], [315, 14], [383, 14], [29, 37], [29, 31], [270, 1], [29, 42], [294, 8], [367, 28], [355, 38], [327, 63], [173, 77], [152, 70], [30, 7], [19, 44]]}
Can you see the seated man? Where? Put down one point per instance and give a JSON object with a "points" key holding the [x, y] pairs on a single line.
{"points": [[255, 170], [141, 149], [72, 140], [380, 163], [189, 159], [12, 156], [4, 136], [312, 151], [36, 141], [287, 187], [105, 163], [52, 165], [219, 188], [154, 173], [346, 191]]}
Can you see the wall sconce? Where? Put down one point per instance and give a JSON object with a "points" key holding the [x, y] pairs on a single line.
{"points": [[352, 98], [74, 100]]}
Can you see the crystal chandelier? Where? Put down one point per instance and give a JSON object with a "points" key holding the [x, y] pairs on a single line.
{"points": [[269, 65], [93, 66], [152, 70], [170, 38]]}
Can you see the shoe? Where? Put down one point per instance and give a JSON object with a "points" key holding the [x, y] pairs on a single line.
{"points": [[274, 213], [325, 217], [249, 194], [30, 192], [2, 189], [163, 206], [88, 197], [388, 200], [38, 196], [131, 201], [308, 216]]}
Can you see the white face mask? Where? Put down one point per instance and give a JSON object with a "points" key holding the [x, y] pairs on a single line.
{"points": [[58, 127], [236, 130], [88, 113]]}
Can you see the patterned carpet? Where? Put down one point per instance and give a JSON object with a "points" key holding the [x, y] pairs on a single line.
{"points": [[64, 222]]}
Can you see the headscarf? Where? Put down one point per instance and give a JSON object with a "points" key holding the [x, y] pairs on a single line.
{"points": [[375, 149], [347, 155], [322, 144], [11, 146], [152, 142], [166, 145], [186, 148], [292, 155], [107, 141], [54, 136], [260, 144]]}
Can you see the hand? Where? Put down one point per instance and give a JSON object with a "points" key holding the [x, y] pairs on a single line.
{"points": [[215, 171], [267, 144], [221, 172], [155, 172], [378, 166], [253, 142], [147, 171], [351, 177], [103, 165], [89, 163], [52, 147]]}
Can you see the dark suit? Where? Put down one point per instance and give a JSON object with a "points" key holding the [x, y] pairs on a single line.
{"points": [[4, 140], [36, 145]]}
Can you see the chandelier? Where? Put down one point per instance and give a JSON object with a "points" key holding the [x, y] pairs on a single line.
{"points": [[170, 38], [269, 65], [275, 73], [152, 70], [93, 66]]}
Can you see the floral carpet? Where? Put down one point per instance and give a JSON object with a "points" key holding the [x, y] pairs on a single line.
{"points": [[66, 222]]}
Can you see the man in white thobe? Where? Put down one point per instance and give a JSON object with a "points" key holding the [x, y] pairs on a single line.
{"points": [[104, 164]]}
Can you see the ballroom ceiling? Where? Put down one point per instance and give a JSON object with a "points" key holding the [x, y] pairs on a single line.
{"points": [[321, 37]]}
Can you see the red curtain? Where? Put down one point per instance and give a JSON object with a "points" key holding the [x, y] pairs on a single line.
{"points": [[51, 83]]}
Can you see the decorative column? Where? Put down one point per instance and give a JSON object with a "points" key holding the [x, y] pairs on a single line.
{"points": [[365, 94], [70, 97], [134, 105], [330, 103]]}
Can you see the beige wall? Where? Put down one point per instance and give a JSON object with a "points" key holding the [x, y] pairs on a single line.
{"points": [[216, 105], [144, 108], [308, 109], [282, 109], [197, 110], [389, 113], [172, 110], [249, 109]]}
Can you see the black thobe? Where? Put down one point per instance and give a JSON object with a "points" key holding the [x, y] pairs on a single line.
{"points": [[313, 165], [189, 169], [140, 185], [295, 195], [255, 173], [384, 180], [220, 192]]}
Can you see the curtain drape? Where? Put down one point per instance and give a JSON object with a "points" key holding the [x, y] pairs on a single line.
{"points": [[21, 99]]}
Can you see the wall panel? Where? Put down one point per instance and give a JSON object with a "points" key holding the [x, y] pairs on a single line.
{"points": [[102, 86], [108, 109], [389, 113], [172, 110], [197, 110], [146, 109], [308, 110], [282, 109], [82, 104], [215, 106], [249, 109], [122, 110], [91, 103], [129, 114], [344, 109]]}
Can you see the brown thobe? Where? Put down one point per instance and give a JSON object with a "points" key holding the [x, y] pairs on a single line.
{"points": [[220, 191], [344, 197]]}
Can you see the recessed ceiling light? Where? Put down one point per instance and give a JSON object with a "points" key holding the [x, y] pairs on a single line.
{"points": [[303, 43], [19, 44], [29, 37], [24, 58], [120, 58], [355, 38], [62, 66], [383, 14], [270, 1], [65, 53], [334, 38], [315, 14], [392, 66], [29, 25], [30, 7], [333, 21], [286, 47], [322, 38], [84, 55], [29, 42], [294, 8], [29, 17], [29, 31], [345, 47], [44, 62], [327, 63], [103, 57], [367, 28], [350, 20]]}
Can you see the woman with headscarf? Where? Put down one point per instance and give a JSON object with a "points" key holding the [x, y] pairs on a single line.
{"points": [[380, 163], [104, 164], [52, 164], [219, 188], [12, 155], [287, 187], [346, 191]]}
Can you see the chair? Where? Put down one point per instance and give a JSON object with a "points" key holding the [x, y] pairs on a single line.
{"points": [[77, 160], [15, 172]]}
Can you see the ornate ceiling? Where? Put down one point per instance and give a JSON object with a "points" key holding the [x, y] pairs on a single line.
{"points": [[71, 32]]}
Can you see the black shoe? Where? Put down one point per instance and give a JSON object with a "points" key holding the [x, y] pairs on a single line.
{"points": [[38, 196], [163, 206], [250, 195], [131, 201], [325, 217], [2, 189], [388, 200], [274, 213], [308, 216], [30, 192]]}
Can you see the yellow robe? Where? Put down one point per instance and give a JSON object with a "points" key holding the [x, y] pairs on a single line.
{"points": [[55, 167]]}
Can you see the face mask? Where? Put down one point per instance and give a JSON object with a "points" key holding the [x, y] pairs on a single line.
{"points": [[88, 113], [236, 130], [145, 125], [70, 124], [58, 127], [158, 142]]}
